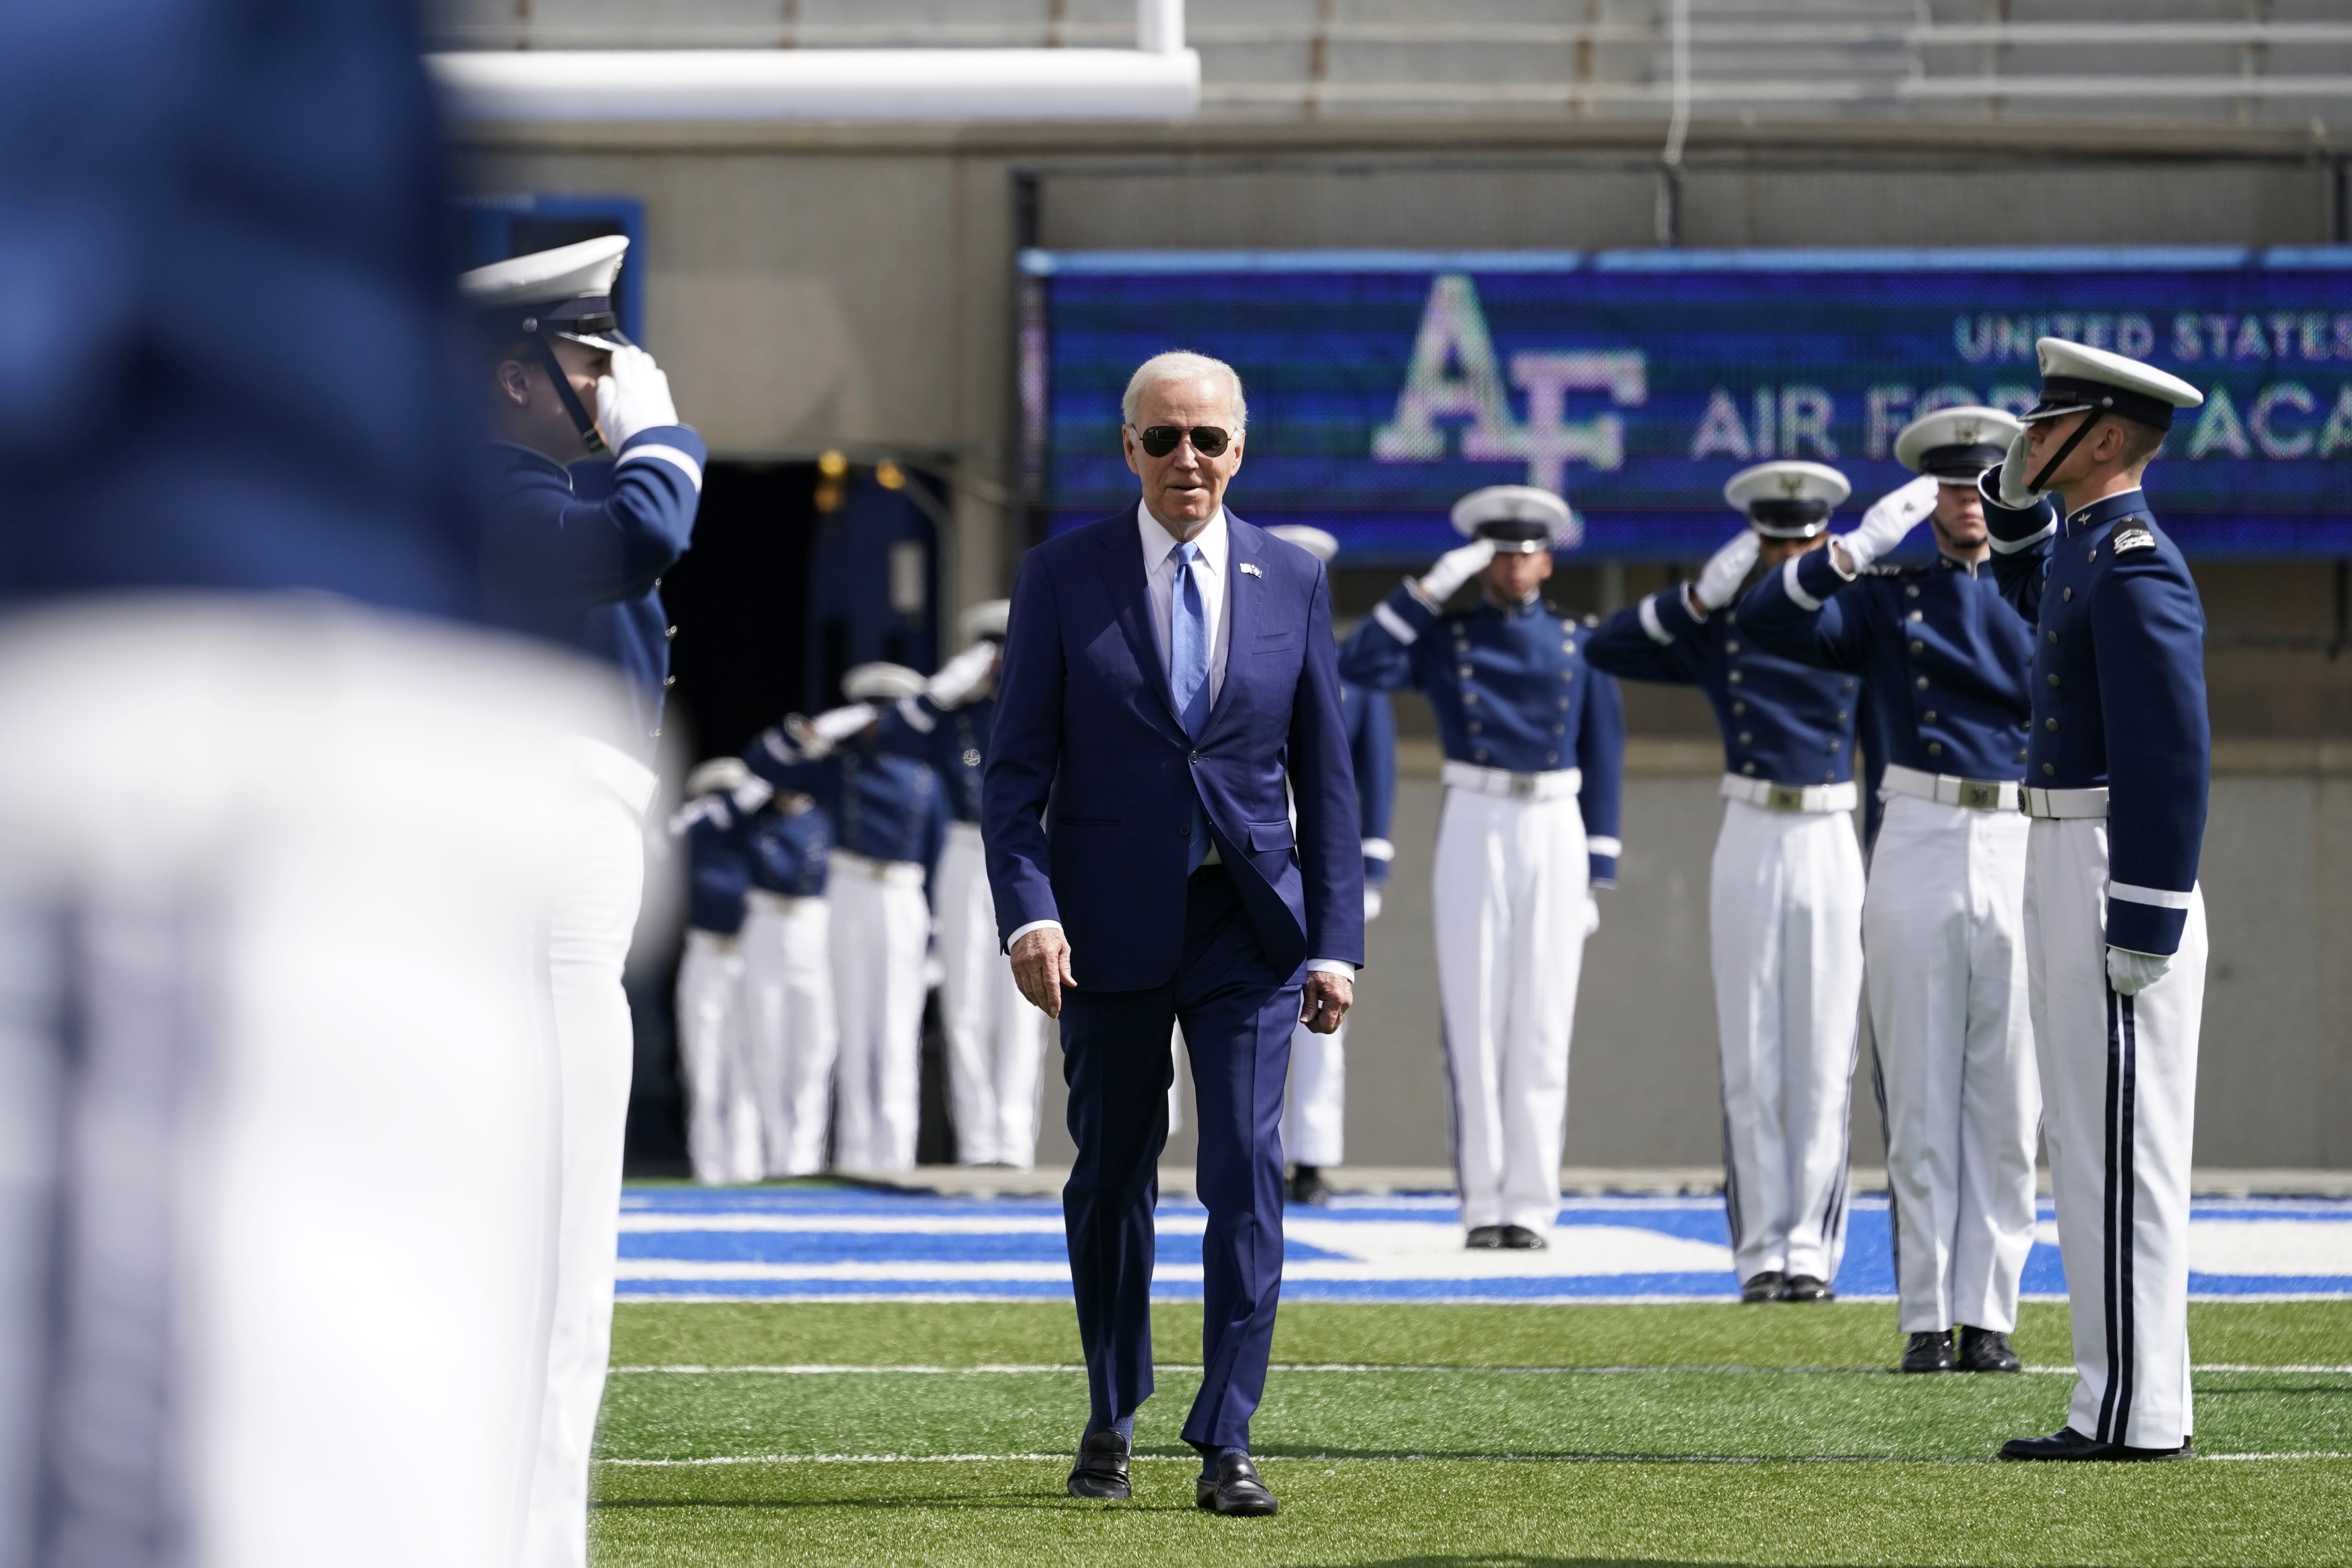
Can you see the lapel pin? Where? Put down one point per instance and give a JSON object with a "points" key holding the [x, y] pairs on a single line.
{"points": [[1250, 568]]}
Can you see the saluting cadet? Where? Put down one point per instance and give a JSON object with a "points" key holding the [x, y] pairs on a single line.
{"points": [[995, 1039], [723, 1113], [1943, 665], [585, 575], [1533, 744], [888, 817], [788, 980], [1313, 1112], [1785, 898], [2117, 773]]}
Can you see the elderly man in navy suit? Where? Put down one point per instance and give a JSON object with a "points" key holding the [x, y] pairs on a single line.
{"points": [[1170, 697]]}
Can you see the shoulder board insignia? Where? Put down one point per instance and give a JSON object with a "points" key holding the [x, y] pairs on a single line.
{"points": [[2134, 538], [1889, 569]]}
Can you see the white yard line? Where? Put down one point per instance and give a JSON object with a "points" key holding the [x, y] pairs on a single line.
{"points": [[1381, 1460], [830, 1369]]}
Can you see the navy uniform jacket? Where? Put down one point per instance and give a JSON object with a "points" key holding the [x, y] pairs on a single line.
{"points": [[2118, 692], [718, 834], [1943, 660], [586, 574], [1371, 746], [953, 740], [882, 806], [790, 843], [1512, 690], [1782, 723]]}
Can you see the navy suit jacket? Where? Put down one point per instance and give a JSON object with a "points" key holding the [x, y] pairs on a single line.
{"points": [[1090, 779]]}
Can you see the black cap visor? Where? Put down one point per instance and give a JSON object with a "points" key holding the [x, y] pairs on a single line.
{"points": [[1788, 518], [2073, 394], [1517, 536], [1959, 463]]}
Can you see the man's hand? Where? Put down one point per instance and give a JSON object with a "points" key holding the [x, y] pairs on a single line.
{"points": [[2129, 973], [1456, 567], [1719, 579], [1041, 967], [2017, 473], [634, 396], [1885, 525], [961, 675], [1323, 1006]]}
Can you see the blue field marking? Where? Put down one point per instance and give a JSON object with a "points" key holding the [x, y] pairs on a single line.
{"points": [[755, 1243]]}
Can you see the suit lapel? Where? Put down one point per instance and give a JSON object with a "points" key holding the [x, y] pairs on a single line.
{"points": [[1244, 591], [1123, 569]]}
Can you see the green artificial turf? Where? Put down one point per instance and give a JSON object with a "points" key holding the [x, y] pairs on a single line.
{"points": [[1486, 1452]]}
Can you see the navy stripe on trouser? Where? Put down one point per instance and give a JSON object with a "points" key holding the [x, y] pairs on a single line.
{"points": [[1237, 1013], [2123, 1049]]}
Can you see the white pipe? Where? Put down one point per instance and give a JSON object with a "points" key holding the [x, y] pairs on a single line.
{"points": [[1160, 26], [820, 84]]}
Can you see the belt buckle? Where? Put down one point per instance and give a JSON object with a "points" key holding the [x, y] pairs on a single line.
{"points": [[1786, 797], [1979, 796], [1523, 787]]}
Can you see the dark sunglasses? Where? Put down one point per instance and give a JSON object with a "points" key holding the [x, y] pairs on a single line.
{"points": [[1160, 439]]}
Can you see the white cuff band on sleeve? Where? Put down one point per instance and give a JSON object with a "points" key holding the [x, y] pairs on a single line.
{"points": [[677, 460], [2159, 897], [1396, 626], [1610, 846], [1796, 590], [1649, 615], [1379, 849], [2011, 546]]}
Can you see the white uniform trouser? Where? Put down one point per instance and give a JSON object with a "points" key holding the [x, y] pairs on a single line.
{"points": [[277, 1092], [881, 927], [995, 1039], [594, 914], [1508, 898], [1315, 1109], [722, 1108], [1785, 913], [1943, 930], [790, 1028], [2119, 1094]]}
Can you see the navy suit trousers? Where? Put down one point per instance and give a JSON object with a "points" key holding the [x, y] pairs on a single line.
{"points": [[1238, 1012]]}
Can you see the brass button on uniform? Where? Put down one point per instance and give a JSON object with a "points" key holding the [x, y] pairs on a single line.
{"points": [[1918, 647], [1746, 737], [2051, 723], [1911, 590], [1929, 717], [2067, 594], [2052, 680], [1919, 614], [1732, 646], [1921, 683], [1934, 748], [1733, 678], [2048, 770], [1739, 707], [1748, 767]]}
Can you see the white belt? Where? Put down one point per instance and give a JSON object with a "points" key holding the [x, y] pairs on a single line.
{"points": [[760, 899], [2066, 802], [1557, 785], [1945, 790], [890, 873], [964, 832], [614, 769], [1790, 797]]}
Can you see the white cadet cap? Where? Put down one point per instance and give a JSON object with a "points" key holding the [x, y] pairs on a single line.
{"points": [[1955, 444], [1786, 499], [2075, 377], [880, 682], [1313, 541], [726, 774], [985, 619], [567, 291], [1520, 519]]}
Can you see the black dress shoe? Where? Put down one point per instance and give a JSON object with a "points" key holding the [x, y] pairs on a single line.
{"points": [[1928, 1352], [1236, 1491], [1307, 1186], [1519, 1238], [1986, 1349], [1101, 1469], [1770, 1286], [2067, 1444], [1805, 1287], [1484, 1237]]}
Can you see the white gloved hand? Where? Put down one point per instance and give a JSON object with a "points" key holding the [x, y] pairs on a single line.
{"points": [[840, 724], [958, 677], [2015, 471], [1372, 902], [1719, 579], [2132, 972], [1456, 567], [1592, 914], [632, 398], [1885, 525]]}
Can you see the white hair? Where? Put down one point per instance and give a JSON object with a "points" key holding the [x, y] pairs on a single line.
{"points": [[1182, 365]]}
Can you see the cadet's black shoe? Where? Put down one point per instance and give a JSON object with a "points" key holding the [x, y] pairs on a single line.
{"points": [[1236, 1491], [1307, 1186], [1986, 1349], [2067, 1444], [1928, 1352], [1805, 1287], [1519, 1238], [1101, 1469], [1484, 1237], [1770, 1286]]}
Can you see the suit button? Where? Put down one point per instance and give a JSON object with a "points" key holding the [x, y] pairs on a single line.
{"points": [[1841, 715], [2048, 770], [1911, 590], [1833, 744], [1184, 830], [2020, 756], [1847, 687], [1477, 728], [2051, 723], [1464, 672], [1934, 748], [1559, 729], [1192, 756], [1551, 757], [669, 631], [668, 681]]}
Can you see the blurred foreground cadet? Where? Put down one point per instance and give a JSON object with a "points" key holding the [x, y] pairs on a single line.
{"points": [[888, 817], [563, 385], [276, 820], [1784, 905], [1943, 664], [1315, 1113], [2117, 775], [1170, 697], [996, 1040], [722, 1107], [788, 980], [1535, 742]]}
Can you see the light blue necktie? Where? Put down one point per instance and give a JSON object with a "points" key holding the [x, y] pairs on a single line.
{"points": [[1188, 675]]}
